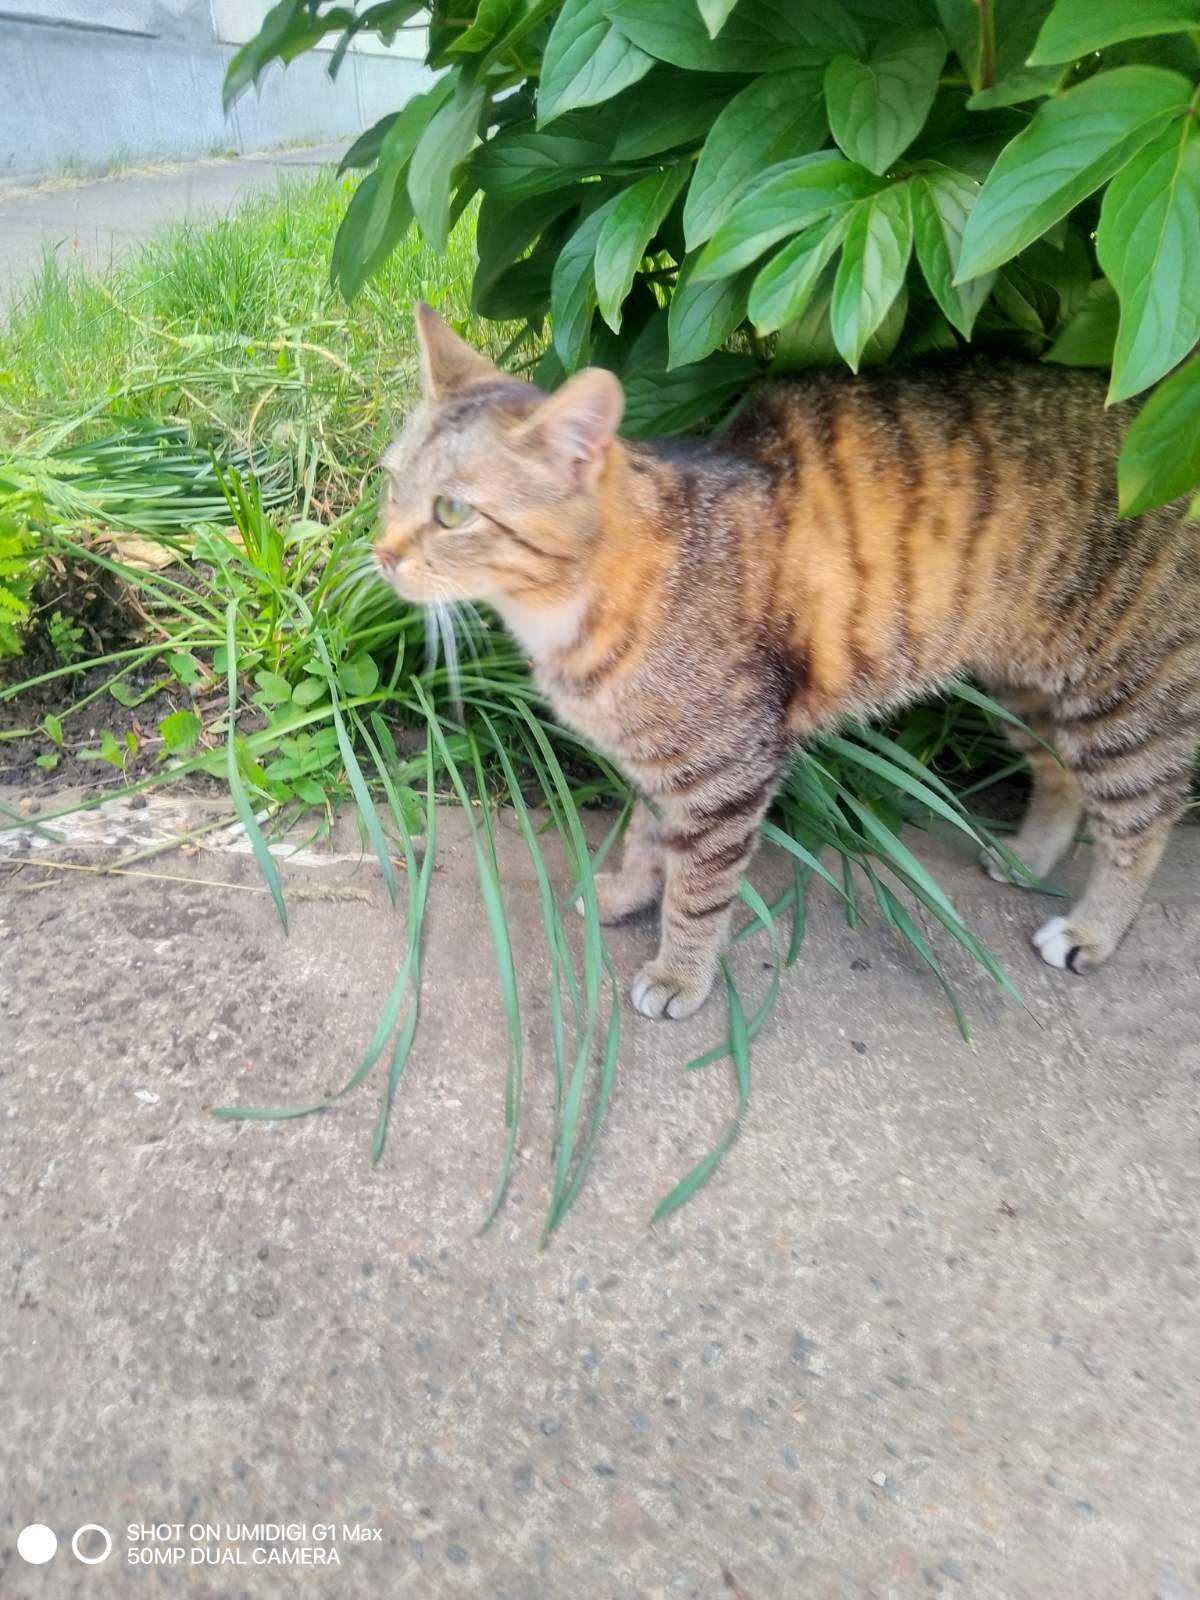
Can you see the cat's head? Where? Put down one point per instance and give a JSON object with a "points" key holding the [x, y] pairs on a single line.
{"points": [[493, 490]]}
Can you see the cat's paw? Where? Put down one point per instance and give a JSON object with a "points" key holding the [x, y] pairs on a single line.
{"points": [[1071, 946], [995, 868], [1000, 872], [659, 991], [617, 898]]}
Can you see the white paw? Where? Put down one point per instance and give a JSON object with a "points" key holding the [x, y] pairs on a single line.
{"points": [[1054, 941], [657, 992], [1066, 944]]}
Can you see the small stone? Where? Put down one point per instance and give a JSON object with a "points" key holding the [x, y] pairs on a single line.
{"points": [[550, 1425], [879, 1479], [858, 1046], [802, 1348], [456, 1553], [138, 803], [604, 1469], [523, 1479], [952, 1569], [712, 1353]]}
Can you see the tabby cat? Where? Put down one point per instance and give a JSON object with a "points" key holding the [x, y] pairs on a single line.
{"points": [[696, 609]]}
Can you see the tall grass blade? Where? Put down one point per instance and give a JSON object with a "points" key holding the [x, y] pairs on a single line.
{"points": [[241, 800]]}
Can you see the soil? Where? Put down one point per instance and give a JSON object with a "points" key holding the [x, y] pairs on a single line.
{"points": [[18, 757]]}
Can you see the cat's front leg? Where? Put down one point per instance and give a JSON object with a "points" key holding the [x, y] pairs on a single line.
{"points": [[706, 849]]}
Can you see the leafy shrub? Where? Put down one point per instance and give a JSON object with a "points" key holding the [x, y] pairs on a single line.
{"points": [[700, 193]]}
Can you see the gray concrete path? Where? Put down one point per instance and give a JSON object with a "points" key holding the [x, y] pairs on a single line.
{"points": [[931, 1331], [95, 223]]}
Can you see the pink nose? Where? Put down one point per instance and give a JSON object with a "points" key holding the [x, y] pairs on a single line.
{"points": [[385, 557]]}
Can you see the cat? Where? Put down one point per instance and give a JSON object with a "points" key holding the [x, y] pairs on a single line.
{"points": [[697, 609]]}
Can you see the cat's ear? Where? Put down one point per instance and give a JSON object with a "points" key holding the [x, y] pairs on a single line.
{"points": [[577, 425], [448, 364]]}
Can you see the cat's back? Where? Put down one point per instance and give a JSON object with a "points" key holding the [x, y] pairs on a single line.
{"points": [[1033, 415]]}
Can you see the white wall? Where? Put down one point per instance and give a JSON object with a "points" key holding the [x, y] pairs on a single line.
{"points": [[91, 82]]}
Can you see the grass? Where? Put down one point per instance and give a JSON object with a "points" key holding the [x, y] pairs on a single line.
{"points": [[216, 399]]}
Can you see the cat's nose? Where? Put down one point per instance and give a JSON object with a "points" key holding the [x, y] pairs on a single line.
{"points": [[385, 557]]}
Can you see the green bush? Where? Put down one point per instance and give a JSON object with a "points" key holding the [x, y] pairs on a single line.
{"points": [[697, 193]]}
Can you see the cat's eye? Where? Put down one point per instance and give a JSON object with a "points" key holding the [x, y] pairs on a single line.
{"points": [[450, 513]]}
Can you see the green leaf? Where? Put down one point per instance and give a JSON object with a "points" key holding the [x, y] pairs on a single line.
{"points": [[662, 401], [349, 265], [309, 690], [1015, 24], [180, 731], [779, 115], [273, 687], [626, 231], [586, 60], [786, 198], [877, 107], [54, 728], [1089, 338], [701, 316], [184, 668], [446, 142], [1074, 143], [1148, 243], [871, 272], [669, 109], [807, 341], [1077, 27], [1160, 459], [491, 17], [715, 14], [47, 762], [573, 289], [395, 153], [760, 36], [523, 161], [1028, 83], [359, 675], [942, 202], [784, 287], [287, 30], [504, 230], [364, 152]]}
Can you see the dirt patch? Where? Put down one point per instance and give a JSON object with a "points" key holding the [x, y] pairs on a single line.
{"points": [[84, 731]]}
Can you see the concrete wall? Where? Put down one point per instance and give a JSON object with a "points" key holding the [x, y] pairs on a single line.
{"points": [[90, 82]]}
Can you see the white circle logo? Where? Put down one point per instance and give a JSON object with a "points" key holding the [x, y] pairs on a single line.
{"points": [[37, 1544], [91, 1561]]}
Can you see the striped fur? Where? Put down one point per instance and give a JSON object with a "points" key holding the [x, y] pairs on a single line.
{"points": [[696, 609]]}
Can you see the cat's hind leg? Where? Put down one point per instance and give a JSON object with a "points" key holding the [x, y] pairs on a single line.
{"points": [[1133, 764], [1055, 807]]}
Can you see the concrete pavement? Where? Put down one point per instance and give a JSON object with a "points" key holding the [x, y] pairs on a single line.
{"points": [[95, 223], [931, 1331]]}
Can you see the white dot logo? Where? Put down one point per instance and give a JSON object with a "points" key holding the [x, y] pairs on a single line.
{"points": [[93, 1560], [37, 1544]]}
